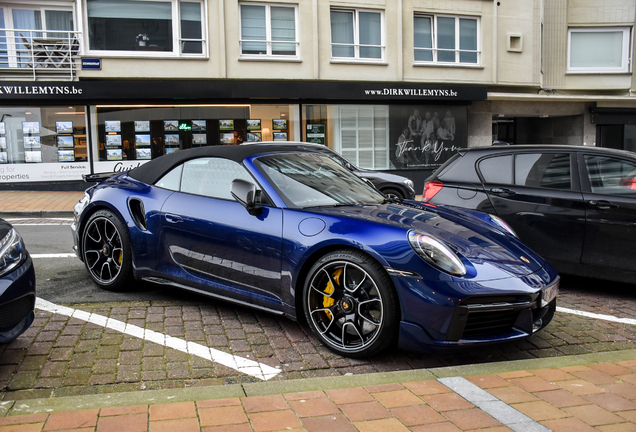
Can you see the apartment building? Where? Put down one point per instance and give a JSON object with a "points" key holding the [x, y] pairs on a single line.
{"points": [[395, 85]]}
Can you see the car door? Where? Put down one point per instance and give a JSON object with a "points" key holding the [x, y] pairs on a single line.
{"points": [[610, 201], [537, 193], [213, 238]]}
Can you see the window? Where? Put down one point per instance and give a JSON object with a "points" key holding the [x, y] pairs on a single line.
{"points": [[357, 34], [497, 169], [212, 177], [610, 175], [598, 49], [446, 39], [31, 23], [268, 30], [146, 27], [364, 135], [543, 170]]}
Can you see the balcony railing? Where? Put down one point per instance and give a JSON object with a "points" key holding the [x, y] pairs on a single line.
{"points": [[39, 53]]}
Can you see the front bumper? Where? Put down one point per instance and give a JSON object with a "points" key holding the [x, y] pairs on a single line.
{"points": [[451, 314], [17, 301]]}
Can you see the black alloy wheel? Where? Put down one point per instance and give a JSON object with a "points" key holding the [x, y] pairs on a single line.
{"points": [[350, 304], [106, 251]]}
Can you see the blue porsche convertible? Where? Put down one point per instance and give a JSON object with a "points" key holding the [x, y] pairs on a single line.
{"points": [[294, 233]]}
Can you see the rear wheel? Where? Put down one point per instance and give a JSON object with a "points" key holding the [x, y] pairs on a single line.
{"points": [[393, 193], [350, 304], [106, 251]]}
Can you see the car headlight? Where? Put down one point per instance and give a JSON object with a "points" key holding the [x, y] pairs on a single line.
{"points": [[409, 184], [500, 222], [436, 253], [12, 251], [81, 205]]}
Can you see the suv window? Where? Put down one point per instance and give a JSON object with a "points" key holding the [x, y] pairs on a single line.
{"points": [[497, 169], [611, 175], [545, 170]]}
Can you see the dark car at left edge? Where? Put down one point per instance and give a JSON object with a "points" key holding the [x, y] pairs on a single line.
{"points": [[17, 284], [296, 234]]}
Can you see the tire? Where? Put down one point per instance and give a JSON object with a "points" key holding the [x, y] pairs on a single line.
{"points": [[358, 318], [393, 193], [106, 251]]}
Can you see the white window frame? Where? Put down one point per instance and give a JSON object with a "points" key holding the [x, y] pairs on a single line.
{"points": [[457, 50], [176, 34], [352, 154], [356, 37], [625, 54], [268, 28]]}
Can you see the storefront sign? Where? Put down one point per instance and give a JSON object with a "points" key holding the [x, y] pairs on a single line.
{"points": [[92, 63], [316, 133], [116, 166], [38, 172]]}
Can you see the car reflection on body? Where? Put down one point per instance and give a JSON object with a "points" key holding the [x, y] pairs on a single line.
{"points": [[17, 284], [296, 234]]}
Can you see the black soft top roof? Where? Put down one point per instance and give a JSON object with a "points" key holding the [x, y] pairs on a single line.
{"points": [[152, 171]]}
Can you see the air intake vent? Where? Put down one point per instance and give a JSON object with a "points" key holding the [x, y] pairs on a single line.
{"points": [[138, 213], [13, 312]]}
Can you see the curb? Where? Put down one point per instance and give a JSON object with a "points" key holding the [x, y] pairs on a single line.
{"points": [[74, 403], [38, 214]]}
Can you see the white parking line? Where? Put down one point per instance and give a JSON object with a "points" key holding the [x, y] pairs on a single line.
{"points": [[243, 365], [496, 408], [57, 255], [629, 321]]}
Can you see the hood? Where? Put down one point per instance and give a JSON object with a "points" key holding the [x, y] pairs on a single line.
{"points": [[485, 246]]}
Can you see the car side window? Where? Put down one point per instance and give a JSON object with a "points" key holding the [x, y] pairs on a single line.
{"points": [[544, 170], [611, 175], [172, 180], [212, 177], [497, 169]]}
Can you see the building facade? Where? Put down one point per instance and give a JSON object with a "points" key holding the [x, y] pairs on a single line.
{"points": [[398, 85]]}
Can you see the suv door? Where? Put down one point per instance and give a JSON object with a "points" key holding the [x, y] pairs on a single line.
{"points": [[537, 193], [610, 201]]}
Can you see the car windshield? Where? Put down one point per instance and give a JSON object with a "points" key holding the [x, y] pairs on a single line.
{"points": [[312, 180]]}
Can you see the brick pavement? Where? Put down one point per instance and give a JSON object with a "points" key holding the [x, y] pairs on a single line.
{"points": [[592, 397]]}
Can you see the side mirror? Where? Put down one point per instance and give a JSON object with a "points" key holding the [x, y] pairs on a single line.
{"points": [[245, 193]]}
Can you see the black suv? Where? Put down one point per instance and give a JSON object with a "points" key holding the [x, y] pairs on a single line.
{"points": [[574, 205]]}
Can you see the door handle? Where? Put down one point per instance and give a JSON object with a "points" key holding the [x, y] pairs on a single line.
{"points": [[502, 191], [173, 218], [603, 204]]}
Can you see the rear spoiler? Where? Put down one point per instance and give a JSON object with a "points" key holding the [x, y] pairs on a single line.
{"points": [[98, 177]]}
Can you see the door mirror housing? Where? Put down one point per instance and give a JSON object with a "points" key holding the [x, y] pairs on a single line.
{"points": [[247, 194]]}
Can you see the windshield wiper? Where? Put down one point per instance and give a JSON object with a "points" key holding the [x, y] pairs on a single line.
{"points": [[391, 200]]}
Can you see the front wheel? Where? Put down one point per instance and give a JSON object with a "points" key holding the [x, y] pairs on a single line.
{"points": [[350, 304], [106, 251]]}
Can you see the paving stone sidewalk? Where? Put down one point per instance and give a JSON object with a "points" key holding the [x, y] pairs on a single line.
{"points": [[578, 397]]}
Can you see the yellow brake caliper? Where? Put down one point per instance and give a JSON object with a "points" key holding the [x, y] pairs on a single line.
{"points": [[329, 301]]}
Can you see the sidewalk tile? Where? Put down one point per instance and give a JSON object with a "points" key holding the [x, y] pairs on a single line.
{"points": [[32, 427], [313, 407], [515, 374], [171, 411], [626, 390], [469, 419], [71, 419], [418, 415], [580, 387], [568, 425], [126, 422], [611, 402], [349, 395], [384, 388], [595, 377], [244, 427], [181, 425], [364, 411], [115, 411], [23, 419], [533, 384], [618, 427], [331, 423], [447, 402], [437, 427], [488, 381], [553, 374], [512, 394], [430, 387], [593, 415], [398, 398], [383, 425], [540, 410], [273, 420], [612, 369], [305, 395], [219, 416], [561, 398], [264, 403], [628, 415], [212, 403]]}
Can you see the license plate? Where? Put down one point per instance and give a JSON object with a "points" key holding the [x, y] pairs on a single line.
{"points": [[549, 293]]}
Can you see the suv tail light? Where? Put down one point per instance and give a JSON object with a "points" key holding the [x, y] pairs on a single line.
{"points": [[430, 190]]}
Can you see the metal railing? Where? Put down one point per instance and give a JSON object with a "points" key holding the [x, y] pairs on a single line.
{"points": [[39, 51]]}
